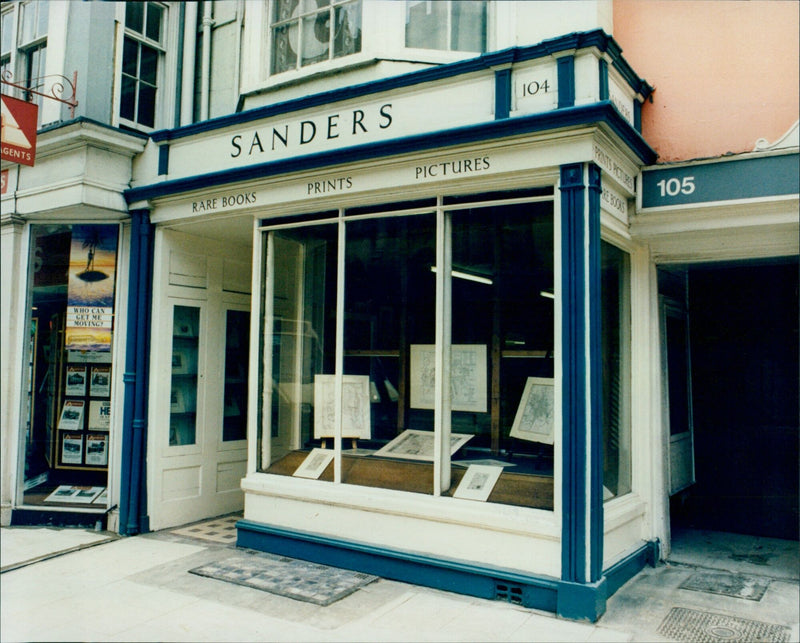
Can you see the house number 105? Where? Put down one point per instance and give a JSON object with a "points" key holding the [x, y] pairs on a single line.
{"points": [[674, 187]]}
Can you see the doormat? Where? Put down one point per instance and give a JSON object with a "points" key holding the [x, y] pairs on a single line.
{"points": [[683, 624], [219, 530], [297, 579], [737, 585]]}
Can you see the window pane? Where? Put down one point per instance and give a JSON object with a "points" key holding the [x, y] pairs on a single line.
{"points": [[390, 295], [147, 105], [154, 13], [316, 38], [284, 9], [134, 16], [127, 102], [183, 393], [42, 11], [130, 57], [426, 24], [468, 26], [502, 363], [302, 273], [615, 325], [347, 35], [284, 56], [237, 342], [148, 65]]}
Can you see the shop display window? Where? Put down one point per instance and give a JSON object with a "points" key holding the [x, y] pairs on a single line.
{"points": [[616, 329], [237, 344], [70, 365], [361, 295]]}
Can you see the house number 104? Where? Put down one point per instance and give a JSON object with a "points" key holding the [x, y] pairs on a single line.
{"points": [[534, 87], [674, 187]]}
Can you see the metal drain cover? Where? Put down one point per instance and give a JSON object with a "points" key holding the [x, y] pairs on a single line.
{"points": [[683, 624], [737, 585]]}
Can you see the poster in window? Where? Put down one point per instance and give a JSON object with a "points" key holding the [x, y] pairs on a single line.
{"points": [[99, 415], [314, 464], [90, 290], [534, 419], [100, 383], [72, 448], [468, 388], [355, 406], [97, 449], [76, 380], [75, 494], [71, 416]]}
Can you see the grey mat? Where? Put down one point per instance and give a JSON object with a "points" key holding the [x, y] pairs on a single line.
{"points": [[683, 624], [297, 579], [737, 585]]}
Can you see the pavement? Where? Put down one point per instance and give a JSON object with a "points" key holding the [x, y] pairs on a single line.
{"points": [[84, 585]]}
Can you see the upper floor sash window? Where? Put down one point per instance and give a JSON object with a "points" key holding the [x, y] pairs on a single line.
{"points": [[142, 51], [305, 32], [445, 25]]}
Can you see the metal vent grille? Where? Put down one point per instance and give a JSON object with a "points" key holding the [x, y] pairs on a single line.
{"points": [[508, 592]]}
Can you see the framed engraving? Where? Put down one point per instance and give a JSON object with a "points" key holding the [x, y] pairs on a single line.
{"points": [[355, 406], [478, 482], [535, 414], [467, 377], [314, 464], [419, 445]]}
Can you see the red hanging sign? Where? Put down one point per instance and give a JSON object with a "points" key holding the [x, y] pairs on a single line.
{"points": [[19, 130]]}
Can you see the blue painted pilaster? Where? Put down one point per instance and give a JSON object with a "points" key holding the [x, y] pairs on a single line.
{"points": [[133, 505], [582, 517], [566, 81], [502, 93]]}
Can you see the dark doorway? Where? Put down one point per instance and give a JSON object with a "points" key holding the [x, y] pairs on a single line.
{"points": [[744, 360]]}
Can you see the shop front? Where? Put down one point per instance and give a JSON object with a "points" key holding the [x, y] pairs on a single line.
{"points": [[432, 342], [65, 250]]}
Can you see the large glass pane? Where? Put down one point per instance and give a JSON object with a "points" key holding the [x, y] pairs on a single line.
{"points": [[148, 65], [300, 340], [127, 103], [7, 32], [615, 328], [237, 351], [69, 365], [316, 38], [502, 361], [390, 295], [183, 392], [130, 57]]}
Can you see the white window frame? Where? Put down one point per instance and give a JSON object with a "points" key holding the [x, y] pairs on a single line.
{"points": [[166, 75], [458, 54]]}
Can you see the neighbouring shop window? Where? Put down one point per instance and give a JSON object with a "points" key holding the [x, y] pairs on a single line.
{"points": [[445, 25], [305, 32], [367, 311], [616, 328], [70, 407], [142, 51]]}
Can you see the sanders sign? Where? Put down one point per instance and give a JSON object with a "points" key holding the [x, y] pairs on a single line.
{"points": [[19, 130]]}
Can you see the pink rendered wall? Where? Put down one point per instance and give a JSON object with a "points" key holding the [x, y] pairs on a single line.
{"points": [[725, 73]]}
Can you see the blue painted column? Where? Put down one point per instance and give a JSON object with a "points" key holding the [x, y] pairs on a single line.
{"points": [[133, 496], [584, 591]]}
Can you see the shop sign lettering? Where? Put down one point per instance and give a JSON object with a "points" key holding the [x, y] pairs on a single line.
{"points": [[278, 137], [449, 168], [329, 186], [607, 163], [238, 199]]}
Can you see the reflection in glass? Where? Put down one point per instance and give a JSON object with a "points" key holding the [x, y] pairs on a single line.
{"points": [[237, 344]]}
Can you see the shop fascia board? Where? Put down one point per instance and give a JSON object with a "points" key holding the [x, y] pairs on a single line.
{"points": [[514, 162], [77, 197]]}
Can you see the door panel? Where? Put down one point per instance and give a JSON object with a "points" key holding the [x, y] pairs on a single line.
{"points": [[198, 383]]}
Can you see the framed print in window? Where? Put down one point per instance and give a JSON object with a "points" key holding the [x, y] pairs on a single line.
{"points": [[535, 414]]}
